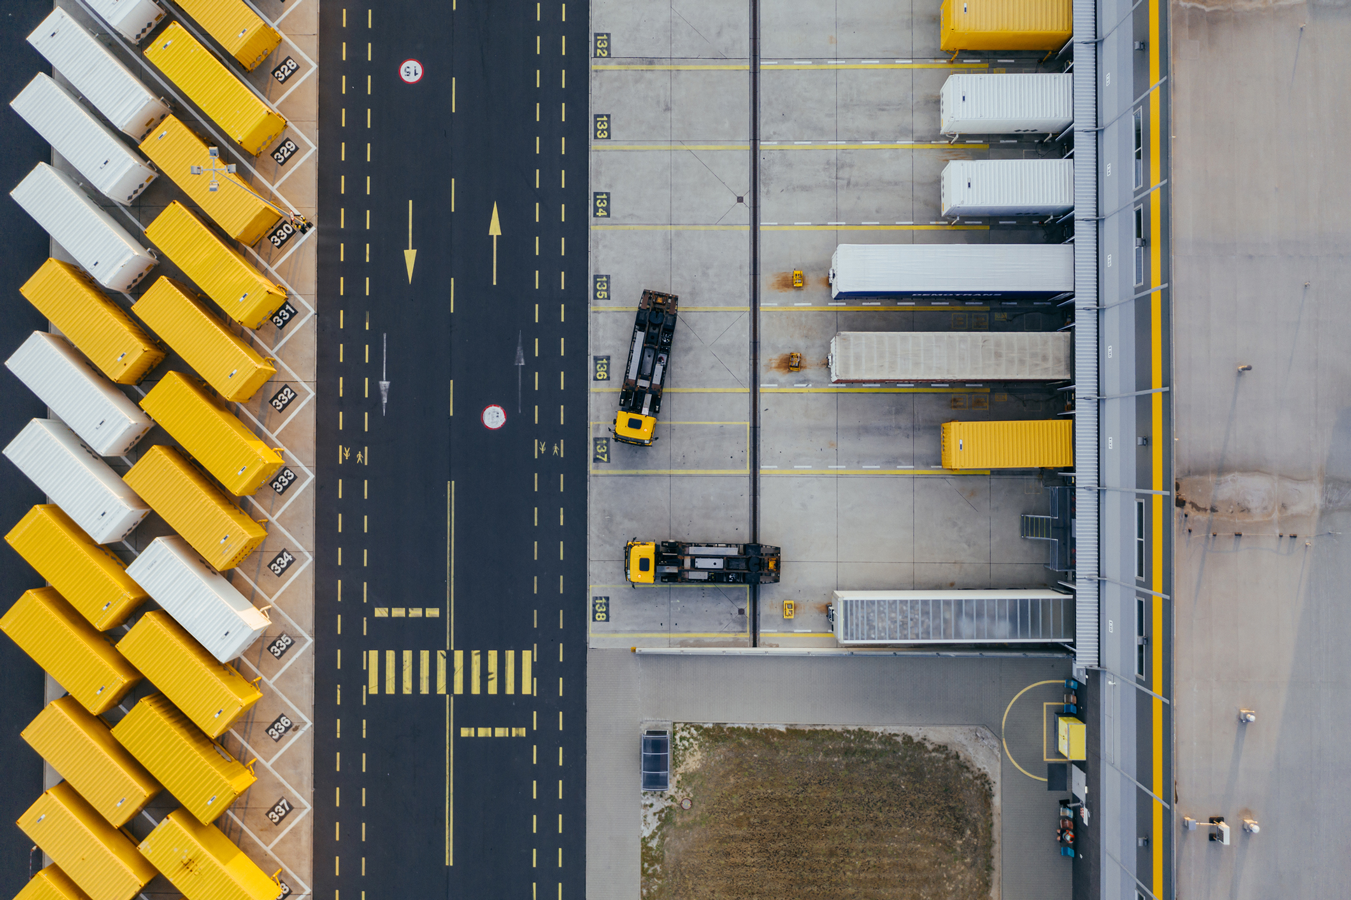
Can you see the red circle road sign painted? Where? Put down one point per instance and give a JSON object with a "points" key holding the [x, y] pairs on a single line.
{"points": [[494, 417], [410, 70]]}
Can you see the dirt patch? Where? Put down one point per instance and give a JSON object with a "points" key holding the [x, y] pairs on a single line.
{"points": [[824, 812]]}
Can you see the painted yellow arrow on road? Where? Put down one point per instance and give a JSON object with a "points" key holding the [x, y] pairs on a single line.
{"points": [[410, 255], [495, 230]]}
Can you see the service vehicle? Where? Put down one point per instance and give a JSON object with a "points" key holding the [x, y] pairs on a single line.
{"points": [[645, 371], [681, 562]]}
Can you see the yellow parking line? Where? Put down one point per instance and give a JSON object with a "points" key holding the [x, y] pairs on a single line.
{"points": [[876, 390], [670, 67], [603, 390], [951, 472], [606, 146], [672, 472], [874, 227], [770, 307], [682, 309]]}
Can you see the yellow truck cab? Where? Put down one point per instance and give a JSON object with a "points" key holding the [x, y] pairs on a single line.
{"points": [[645, 371], [640, 559]]}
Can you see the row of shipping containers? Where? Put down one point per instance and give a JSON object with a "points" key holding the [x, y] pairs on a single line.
{"points": [[168, 740], [980, 104]]}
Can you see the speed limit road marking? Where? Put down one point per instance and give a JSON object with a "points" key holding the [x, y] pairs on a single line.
{"points": [[494, 417], [410, 70]]}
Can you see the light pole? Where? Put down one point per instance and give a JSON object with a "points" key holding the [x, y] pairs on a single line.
{"points": [[296, 219]]}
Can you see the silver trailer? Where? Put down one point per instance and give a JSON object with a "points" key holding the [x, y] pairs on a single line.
{"points": [[93, 148], [863, 357], [892, 618], [1006, 104], [920, 271], [1007, 187]]}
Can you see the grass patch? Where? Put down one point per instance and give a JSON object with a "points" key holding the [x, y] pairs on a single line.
{"points": [[816, 813]]}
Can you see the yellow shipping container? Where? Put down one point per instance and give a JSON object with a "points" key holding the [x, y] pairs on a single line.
{"points": [[96, 325], [203, 863], [194, 507], [222, 358], [213, 436], [100, 859], [227, 100], [51, 884], [197, 771], [88, 576], [217, 268], [233, 205], [1004, 24], [210, 693], [1037, 444], [239, 30], [58, 638], [82, 751]]}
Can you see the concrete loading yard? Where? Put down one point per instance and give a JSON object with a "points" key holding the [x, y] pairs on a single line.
{"points": [[950, 585]]}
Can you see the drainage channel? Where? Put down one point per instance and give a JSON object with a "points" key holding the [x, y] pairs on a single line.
{"points": [[754, 192]]}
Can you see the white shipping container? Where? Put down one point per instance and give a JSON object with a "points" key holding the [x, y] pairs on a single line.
{"points": [[133, 19], [947, 356], [80, 395], [201, 600], [994, 271], [1009, 616], [77, 480], [98, 75], [1006, 104], [1007, 187], [81, 137], [98, 243]]}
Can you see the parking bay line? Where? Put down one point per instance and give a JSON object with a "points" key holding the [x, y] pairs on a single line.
{"points": [[600, 146]]}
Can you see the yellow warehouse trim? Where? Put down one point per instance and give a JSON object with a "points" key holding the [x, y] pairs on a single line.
{"points": [[82, 750], [214, 437], [217, 268], [97, 326], [237, 28], [198, 772], [1008, 445], [233, 369], [89, 577], [233, 205], [203, 863], [96, 856], [51, 884], [223, 97], [59, 639], [211, 694], [1004, 24], [194, 507]]}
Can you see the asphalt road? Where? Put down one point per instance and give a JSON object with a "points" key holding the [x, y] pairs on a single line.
{"points": [[21, 252], [450, 594]]}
